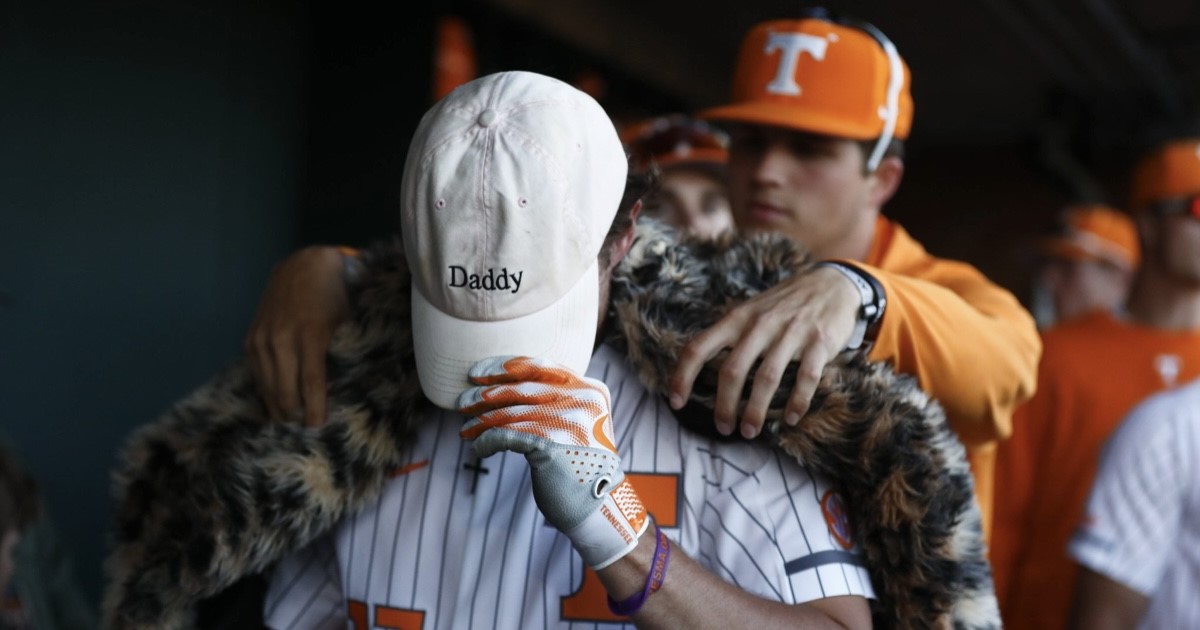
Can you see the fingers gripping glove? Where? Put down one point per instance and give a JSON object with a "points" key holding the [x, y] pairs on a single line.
{"points": [[561, 423]]}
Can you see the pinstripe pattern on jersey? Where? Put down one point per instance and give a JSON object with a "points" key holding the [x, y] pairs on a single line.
{"points": [[1142, 525], [743, 511], [311, 596]]}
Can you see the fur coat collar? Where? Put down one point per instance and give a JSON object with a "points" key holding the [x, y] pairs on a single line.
{"points": [[212, 491]]}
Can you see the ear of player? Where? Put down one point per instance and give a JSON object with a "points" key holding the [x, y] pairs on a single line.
{"points": [[561, 422]]}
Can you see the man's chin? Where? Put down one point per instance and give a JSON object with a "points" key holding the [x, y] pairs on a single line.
{"points": [[763, 222], [772, 223]]}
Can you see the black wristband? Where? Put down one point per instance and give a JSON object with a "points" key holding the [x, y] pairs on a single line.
{"points": [[872, 307]]}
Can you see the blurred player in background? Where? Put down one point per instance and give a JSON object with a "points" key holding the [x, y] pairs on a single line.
{"points": [[691, 157], [1086, 265], [1094, 370]]}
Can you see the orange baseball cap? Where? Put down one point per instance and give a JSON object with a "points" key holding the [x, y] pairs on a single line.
{"points": [[820, 76], [674, 140], [1095, 232], [1172, 170]]}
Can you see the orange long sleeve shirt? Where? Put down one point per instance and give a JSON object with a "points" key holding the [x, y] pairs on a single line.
{"points": [[1094, 370], [970, 344]]}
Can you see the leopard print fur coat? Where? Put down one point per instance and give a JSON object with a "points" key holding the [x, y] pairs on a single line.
{"points": [[212, 491]]}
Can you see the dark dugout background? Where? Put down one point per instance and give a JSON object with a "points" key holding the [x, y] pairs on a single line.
{"points": [[157, 158]]}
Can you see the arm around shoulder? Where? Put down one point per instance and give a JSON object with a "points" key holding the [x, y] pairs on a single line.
{"points": [[969, 342], [304, 302], [1104, 604]]}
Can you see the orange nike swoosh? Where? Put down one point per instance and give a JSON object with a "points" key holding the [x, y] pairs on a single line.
{"points": [[598, 433], [404, 470]]}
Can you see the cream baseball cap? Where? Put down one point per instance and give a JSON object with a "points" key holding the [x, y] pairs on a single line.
{"points": [[510, 186]]}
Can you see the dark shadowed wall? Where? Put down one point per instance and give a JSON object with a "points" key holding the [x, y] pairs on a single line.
{"points": [[156, 159], [148, 175]]}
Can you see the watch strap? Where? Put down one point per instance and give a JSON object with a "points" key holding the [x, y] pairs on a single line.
{"points": [[871, 306]]}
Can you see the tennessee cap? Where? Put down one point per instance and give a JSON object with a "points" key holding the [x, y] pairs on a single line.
{"points": [[1094, 232], [509, 188], [820, 76], [674, 140], [1170, 171]]}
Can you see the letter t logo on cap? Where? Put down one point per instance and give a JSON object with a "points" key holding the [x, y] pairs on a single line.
{"points": [[792, 44]]}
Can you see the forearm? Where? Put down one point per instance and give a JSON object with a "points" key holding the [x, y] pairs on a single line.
{"points": [[1103, 616], [1103, 604], [692, 597], [970, 344]]}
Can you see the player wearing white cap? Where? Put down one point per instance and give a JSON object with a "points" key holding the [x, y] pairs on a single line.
{"points": [[509, 194]]}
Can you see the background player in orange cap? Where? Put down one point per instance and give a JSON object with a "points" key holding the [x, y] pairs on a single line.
{"points": [[690, 156], [1093, 371], [1086, 265], [820, 107]]}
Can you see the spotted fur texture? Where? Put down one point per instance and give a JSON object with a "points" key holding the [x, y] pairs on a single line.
{"points": [[212, 491], [883, 443]]}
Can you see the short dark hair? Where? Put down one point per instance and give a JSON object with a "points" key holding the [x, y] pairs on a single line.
{"points": [[638, 186], [895, 148]]}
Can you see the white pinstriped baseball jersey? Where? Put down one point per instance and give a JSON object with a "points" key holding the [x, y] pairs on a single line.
{"points": [[1142, 526], [751, 516]]}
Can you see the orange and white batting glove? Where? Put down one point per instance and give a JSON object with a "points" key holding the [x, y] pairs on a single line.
{"points": [[560, 421]]}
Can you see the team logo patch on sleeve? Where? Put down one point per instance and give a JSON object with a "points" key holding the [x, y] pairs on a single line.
{"points": [[834, 510]]}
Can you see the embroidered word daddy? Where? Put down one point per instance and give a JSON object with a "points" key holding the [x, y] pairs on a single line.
{"points": [[491, 281]]}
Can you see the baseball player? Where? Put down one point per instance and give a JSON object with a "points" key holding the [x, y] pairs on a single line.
{"points": [[690, 156], [820, 109], [571, 496], [1139, 542], [1086, 265], [1094, 370]]}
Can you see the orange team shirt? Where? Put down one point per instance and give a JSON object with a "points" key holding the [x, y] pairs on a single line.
{"points": [[970, 344], [1094, 370]]}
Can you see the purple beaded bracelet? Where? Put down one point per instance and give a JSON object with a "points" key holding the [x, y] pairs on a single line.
{"points": [[654, 579]]}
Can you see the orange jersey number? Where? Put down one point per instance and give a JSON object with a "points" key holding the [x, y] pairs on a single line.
{"points": [[385, 617]]}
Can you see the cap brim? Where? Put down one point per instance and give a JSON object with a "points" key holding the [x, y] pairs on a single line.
{"points": [[789, 117], [446, 347], [698, 157], [1070, 250]]}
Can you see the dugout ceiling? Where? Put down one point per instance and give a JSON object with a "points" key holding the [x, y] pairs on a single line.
{"points": [[1105, 72]]}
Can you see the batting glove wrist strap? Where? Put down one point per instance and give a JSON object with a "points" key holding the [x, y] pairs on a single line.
{"points": [[609, 533]]}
